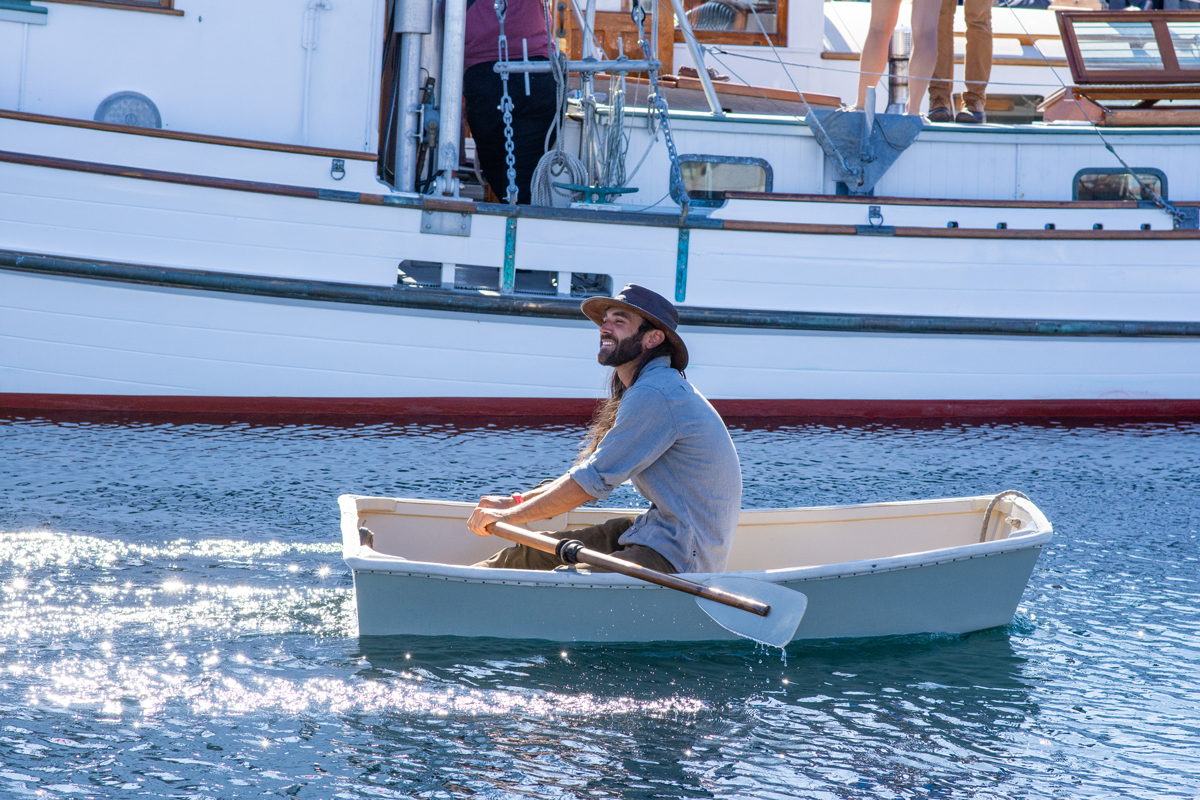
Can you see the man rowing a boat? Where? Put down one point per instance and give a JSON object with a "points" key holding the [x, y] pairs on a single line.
{"points": [[655, 430]]}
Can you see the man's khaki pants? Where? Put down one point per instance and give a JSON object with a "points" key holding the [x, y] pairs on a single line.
{"points": [[978, 67], [603, 538]]}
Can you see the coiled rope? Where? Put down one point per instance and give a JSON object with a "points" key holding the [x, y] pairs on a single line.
{"points": [[556, 165]]}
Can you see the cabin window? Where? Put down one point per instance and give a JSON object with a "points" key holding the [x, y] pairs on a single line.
{"points": [[707, 178], [737, 21], [1113, 47], [1185, 37], [1115, 184], [159, 6]]}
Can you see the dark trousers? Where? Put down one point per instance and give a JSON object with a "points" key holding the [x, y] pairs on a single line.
{"points": [[532, 116], [603, 538]]}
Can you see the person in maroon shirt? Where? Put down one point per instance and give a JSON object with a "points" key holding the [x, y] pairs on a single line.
{"points": [[482, 90]]}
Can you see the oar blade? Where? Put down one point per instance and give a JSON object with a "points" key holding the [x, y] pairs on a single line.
{"points": [[775, 629]]}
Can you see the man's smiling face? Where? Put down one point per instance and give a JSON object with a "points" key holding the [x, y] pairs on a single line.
{"points": [[620, 341]]}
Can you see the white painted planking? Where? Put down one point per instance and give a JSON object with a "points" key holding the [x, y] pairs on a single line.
{"points": [[228, 69], [11, 34], [629, 253], [95, 337], [937, 216], [100, 334], [119, 219], [188, 158], [1023, 279], [750, 364]]}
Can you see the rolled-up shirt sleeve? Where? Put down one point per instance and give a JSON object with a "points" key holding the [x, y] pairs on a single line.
{"points": [[643, 431]]}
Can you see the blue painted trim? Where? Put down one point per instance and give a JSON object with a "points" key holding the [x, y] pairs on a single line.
{"points": [[508, 275], [22, 11], [22, 6], [340, 196], [681, 259]]}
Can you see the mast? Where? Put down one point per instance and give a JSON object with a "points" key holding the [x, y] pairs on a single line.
{"points": [[450, 125], [414, 19]]}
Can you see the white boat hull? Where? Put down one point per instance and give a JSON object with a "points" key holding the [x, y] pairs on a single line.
{"points": [[791, 305], [103, 344], [954, 589]]}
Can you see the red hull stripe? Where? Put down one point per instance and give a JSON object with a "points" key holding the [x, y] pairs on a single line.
{"points": [[576, 407]]}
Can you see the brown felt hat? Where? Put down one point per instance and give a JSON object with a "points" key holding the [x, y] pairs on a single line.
{"points": [[652, 306]]}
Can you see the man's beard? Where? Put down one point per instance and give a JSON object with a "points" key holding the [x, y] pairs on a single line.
{"points": [[626, 350]]}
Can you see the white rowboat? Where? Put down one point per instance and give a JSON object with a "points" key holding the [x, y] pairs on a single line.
{"points": [[877, 569]]}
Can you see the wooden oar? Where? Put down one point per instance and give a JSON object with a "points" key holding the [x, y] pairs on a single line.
{"points": [[763, 611]]}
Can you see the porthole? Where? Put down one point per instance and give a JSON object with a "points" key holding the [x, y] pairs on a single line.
{"points": [[1113, 184], [708, 178]]}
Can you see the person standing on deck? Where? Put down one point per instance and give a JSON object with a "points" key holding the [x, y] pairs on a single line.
{"points": [[482, 90], [977, 67], [873, 62], [655, 430]]}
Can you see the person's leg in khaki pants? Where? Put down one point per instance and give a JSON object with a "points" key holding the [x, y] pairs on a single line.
{"points": [[603, 538], [942, 83], [978, 68]]}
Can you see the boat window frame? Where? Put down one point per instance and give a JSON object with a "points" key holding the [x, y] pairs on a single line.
{"points": [[149, 6], [1162, 178], [1171, 72], [768, 185], [746, 37]]}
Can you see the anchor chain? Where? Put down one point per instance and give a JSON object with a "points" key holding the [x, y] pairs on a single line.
{"points": [[1178, 218], [506, 106], [660, 104]]}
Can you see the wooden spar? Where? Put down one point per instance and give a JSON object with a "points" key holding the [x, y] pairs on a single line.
{"points": [[548, 544]]}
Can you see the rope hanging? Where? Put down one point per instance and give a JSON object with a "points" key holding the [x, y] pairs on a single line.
{"points": [[987, 515], [557, 162]]}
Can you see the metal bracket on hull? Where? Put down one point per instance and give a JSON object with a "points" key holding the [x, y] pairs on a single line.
{"points": [[508, 275], [446, 223], [681, 259], [1188, 219]]}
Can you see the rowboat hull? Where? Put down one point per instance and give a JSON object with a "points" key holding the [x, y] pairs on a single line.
{"points": [[951, 589]]}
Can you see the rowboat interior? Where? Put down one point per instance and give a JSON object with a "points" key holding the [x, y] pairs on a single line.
{"points": [[768, 539]]}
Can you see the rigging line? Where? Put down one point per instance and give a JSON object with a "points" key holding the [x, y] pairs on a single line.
{"points": [[629, 137], [1177, 216], [579, 20], [782, 111], [816, 123], [647, 208]]}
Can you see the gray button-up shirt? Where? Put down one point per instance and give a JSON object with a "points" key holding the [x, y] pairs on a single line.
{"points": [[673, 445]]}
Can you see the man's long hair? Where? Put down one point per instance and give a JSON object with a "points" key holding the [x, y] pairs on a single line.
{"points": [[606, 414]]}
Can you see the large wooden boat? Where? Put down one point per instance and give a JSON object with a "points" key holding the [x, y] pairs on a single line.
{"points": [[255, 252], [928, 566]]}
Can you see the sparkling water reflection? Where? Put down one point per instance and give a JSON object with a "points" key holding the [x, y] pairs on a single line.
{"points": [[176, 621]]}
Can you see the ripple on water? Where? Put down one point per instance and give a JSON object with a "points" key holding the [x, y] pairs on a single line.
{"points": [[175, 620]]}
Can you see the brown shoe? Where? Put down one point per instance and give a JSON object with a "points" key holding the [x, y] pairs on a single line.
{"points": [[941, 114], [971, 117]]}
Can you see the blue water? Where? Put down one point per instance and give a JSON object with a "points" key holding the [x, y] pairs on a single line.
{"points": [[177, 622]]}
